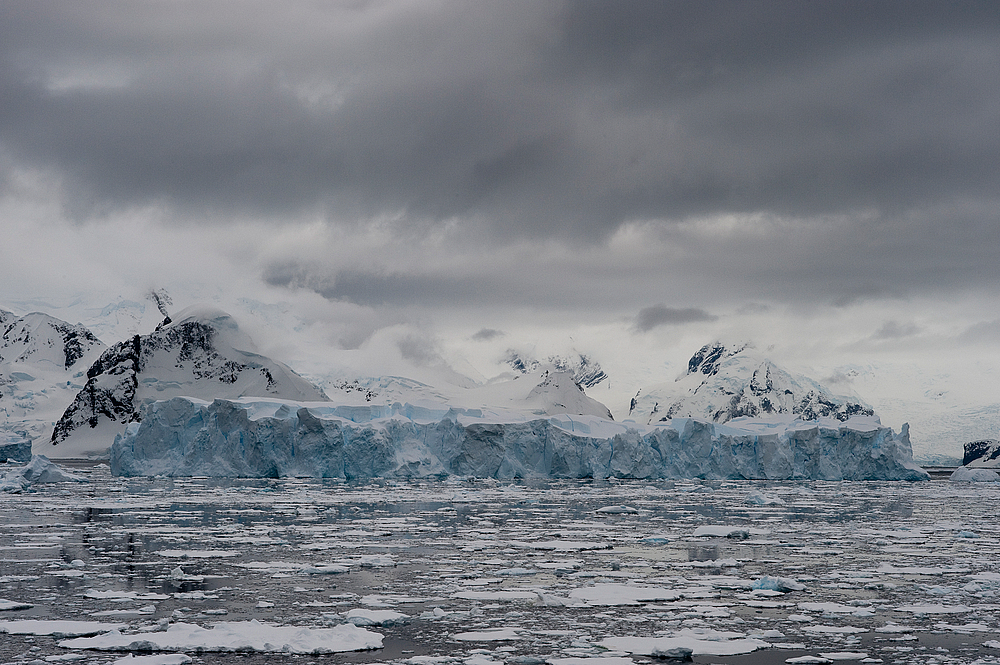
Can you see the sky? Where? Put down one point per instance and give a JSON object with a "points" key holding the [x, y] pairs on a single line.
{"points": [[419, 185]]}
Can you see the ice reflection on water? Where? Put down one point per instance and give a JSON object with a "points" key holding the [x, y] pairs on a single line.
{"points": [[922, 555]]}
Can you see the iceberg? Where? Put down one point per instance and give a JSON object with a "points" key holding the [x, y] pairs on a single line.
{"points": [[253, 437]]}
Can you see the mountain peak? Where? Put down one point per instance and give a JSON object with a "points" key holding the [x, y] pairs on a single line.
{"points": [[726, 382], [202, 353]]}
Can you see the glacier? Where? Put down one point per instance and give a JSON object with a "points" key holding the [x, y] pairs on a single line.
{"points": [[253, 437]]}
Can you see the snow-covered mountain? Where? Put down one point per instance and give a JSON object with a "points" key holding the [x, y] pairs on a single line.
{"points": [[559, 392], [585, 370], [538, 392], [43, 361], [985, 453], [725, 382], [201, 354]]}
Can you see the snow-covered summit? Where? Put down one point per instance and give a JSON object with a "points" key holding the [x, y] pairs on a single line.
{"points": [[725, 382], [37, 339], [200, 353], [585, 370], [558, 392], [42, 365]]}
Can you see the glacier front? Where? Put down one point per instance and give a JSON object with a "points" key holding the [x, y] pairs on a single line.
{"points": [[252, 437]]}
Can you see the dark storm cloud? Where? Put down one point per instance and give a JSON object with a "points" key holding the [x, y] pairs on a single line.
{"points": [[661, 315], [538, 117]]}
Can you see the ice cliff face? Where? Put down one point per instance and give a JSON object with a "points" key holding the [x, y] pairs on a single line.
{"points": [[42, 361], [271, 438], [202, 353], [722, 383]]}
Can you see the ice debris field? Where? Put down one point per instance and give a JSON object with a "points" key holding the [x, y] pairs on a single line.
{"points": [[163, 571]]}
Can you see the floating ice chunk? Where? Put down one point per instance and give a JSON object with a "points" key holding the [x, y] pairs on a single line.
{"points": [[236, 636], [844, 655], [617, 510], [808, 660], [551, 600], [325, 569], [156, 659], [967, 534], [734, 532], [834, 630], [622, 594], [13, 605], [57, 628], [38, 470], [198, 554], [965, 628], [782, 584], [758, 498], [703, 641], [514, 572], [934, 609], [495, 595], [887, 568], [964, 474], [563, 545], [992, 644], [362, 617], [828, 608], [491, 635], [596, 660], [123, 595]]}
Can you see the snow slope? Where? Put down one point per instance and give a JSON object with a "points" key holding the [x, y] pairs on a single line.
{"points": [[537, 392], [722, 383], [201, 354], [272, 438], [43, 361]]}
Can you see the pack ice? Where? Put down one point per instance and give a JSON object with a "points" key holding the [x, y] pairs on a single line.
{"points": [[251, 437]]}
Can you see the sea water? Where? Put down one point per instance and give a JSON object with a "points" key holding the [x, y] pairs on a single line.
{"points": [[485, 572]]}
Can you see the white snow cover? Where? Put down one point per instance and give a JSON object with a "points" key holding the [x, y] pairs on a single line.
{"points": [[43, 364], [273, 438], [964, 474], [201, 353], [726, 382], [235, 636]]}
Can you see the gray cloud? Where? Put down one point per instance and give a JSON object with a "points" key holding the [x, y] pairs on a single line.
{"points": [[867, 130], [538, 119], [488, 334], [895, 330], [661, 315]]}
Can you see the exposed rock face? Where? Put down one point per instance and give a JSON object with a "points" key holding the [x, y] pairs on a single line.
{"points": [[985, 453], [42, 360], [260, 438], [202, 353], [36, 338], [586, 371], [723, 383]]}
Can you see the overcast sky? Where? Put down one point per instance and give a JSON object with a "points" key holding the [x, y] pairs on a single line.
{"points": [[637, 177]]}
